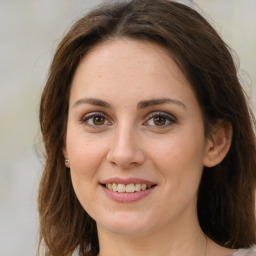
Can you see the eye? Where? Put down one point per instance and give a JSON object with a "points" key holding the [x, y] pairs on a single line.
{"points": [[95, 120], [160, 119]]}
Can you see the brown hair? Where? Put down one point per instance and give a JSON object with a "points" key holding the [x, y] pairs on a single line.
{"points": [[226, 193]]}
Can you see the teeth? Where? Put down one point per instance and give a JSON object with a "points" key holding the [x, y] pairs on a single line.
{"points": [[143, 186], [129, 188], [109, 186], [120, 188], [137, 187], [114, 187]]}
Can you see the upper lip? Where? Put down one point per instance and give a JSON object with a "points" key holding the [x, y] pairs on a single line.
{"points": [[125, 181]]}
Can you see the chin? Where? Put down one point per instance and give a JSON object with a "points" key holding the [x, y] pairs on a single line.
{"points": [[125, 224]]}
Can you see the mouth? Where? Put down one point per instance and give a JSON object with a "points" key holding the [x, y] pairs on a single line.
{"points": [[127, 188]]}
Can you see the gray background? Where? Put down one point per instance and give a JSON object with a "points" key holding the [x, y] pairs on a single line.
{"points": [[29, 34]]}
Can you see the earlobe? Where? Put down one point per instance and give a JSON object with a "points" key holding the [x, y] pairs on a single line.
{"points": [[67, 164], [218, 143]]}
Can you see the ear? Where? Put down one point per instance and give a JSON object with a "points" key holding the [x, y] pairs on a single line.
{"points": [[218, 143], [65, 153]]}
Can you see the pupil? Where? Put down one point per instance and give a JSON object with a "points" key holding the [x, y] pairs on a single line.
{"points": [[159, 120], [98, 120]]}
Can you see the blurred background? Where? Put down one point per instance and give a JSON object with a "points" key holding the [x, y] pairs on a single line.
{"points": [[30, 31]]}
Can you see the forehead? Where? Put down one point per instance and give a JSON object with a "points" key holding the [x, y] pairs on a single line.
{"points": [[126, 53], [123, 66]]}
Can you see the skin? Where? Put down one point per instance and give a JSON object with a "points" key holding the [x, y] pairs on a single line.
{"points": [[127, 141]]}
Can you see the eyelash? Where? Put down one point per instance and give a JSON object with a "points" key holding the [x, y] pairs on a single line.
{"points": [[85, 120], [170, 119]]}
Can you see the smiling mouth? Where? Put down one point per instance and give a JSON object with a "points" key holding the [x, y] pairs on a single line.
{"points": [[129, 188]]}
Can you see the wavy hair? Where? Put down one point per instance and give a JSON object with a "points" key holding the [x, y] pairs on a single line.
{"points": [[226, 193]]}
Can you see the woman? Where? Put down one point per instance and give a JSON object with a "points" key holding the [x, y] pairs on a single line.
{"points": [[150, 148]]}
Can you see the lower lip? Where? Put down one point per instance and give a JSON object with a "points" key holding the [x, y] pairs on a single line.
{"points": [[127, 197]]}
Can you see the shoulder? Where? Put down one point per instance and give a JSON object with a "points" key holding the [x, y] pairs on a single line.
{"points": [[244, 252]]}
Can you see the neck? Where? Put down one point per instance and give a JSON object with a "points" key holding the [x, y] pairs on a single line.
{"points": [[177, 240]]}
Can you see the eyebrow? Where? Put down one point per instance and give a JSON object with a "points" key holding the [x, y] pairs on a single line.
{"points": [[92, 101], [141, 104], [154, 102]]}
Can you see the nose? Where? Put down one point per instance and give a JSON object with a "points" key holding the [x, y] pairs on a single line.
{"points": [[124, 151]]}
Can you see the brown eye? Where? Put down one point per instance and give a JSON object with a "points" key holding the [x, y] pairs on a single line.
{"points": [[159, 120], [95, 120], [98, 120]]}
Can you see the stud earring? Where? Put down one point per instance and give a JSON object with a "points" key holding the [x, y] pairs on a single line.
{"points": [[67, 161]]}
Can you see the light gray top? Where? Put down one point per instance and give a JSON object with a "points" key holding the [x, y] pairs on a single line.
{"points": [[244, 252]]}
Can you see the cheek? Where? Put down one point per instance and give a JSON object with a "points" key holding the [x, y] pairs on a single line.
{"points": [[179, 150], [180, 162], [85, 153], [86, 156]]}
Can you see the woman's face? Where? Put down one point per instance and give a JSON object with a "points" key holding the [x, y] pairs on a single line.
{"points": [[134, 119]]}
